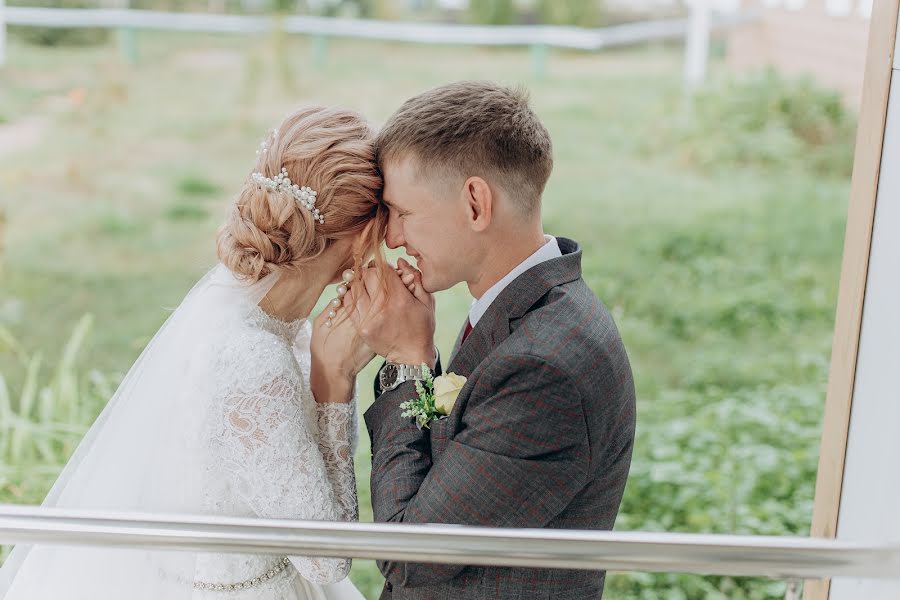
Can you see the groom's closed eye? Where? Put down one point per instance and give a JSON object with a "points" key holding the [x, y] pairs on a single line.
{"points": [[394, 208]]}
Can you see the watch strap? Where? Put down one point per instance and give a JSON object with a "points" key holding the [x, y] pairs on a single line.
{"points": [[409, 372]]}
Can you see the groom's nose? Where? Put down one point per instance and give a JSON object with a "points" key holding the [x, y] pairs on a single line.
{"points": [[394, 238]]}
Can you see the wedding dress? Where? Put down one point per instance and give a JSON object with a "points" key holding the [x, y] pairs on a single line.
{"points": [[215, 418]]}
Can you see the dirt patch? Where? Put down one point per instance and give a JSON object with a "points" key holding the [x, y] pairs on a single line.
{"points": [[22, 134], [210, 60]]}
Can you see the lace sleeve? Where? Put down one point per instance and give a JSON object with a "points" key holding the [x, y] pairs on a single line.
{"points": [[334, 442], [269, 448]]}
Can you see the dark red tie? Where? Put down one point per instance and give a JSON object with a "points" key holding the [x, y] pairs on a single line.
{"points": [[466, 332]]}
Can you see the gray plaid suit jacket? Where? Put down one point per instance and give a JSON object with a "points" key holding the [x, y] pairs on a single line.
{"points": [[540, 436]]}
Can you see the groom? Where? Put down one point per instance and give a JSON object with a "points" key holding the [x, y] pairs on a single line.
{"points": [[542, 432]]}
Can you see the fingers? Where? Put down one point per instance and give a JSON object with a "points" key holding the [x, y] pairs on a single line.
{"points": [[412, 279], [373, 283], [409, 280], [407, 275], [357, 303], [419, 291], [404, 267], [349, 302], [368, 292], [329, 312], [321, 318], [410, 284]]}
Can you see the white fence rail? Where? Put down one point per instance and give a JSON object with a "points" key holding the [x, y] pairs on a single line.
{"points": [[423, 33], [535, 36], [777, 557]]}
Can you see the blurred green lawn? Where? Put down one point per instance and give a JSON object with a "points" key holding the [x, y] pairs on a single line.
{"points": [[723, 281]]}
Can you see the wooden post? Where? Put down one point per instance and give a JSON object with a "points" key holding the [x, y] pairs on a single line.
{"points": [[842, 376], [696, 50]]}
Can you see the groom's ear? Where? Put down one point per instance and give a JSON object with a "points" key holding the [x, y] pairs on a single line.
{"points": [[479, 203]]}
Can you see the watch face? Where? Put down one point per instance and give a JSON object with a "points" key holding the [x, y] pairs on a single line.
{"points": [[388, 376]]}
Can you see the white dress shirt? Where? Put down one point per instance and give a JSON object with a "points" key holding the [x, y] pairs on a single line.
{"points": [[548, 251]]}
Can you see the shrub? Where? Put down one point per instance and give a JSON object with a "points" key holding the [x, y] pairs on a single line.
{"points": [[58, 36], [767, 121]]}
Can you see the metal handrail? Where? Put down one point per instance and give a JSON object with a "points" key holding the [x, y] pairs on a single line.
{"points": [[776, 557]]}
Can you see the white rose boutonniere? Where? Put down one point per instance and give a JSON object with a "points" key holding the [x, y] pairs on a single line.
{"points": [[446, 389], [436, 397]]}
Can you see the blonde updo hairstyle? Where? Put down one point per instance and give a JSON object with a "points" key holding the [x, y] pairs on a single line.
{"points": [[332, 152]]}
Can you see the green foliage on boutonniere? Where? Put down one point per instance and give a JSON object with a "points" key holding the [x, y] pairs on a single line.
{"points": [[436, 397], [422, 408]]}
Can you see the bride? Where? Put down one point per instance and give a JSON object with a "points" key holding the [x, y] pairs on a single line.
{"points": [[235, 407]]}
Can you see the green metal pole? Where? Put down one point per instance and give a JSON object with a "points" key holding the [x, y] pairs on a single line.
{"points": [[320, 50], [128, 44], [539, 60]]}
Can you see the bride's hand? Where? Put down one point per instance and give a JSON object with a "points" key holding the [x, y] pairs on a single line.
{"points": [[412, 279], [338, 355]]}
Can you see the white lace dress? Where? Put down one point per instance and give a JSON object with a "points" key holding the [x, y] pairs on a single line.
{"points": [[275, 453]]}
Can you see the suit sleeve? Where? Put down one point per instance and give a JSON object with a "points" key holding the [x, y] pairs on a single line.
{"points": [[519, 458]]}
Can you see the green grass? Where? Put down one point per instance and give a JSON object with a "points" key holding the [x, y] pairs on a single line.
{"points": [[197, 185], [186, 211], [722, 276]]}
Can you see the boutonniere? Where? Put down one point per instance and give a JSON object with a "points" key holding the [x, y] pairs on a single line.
{"points": [[436, 397]]}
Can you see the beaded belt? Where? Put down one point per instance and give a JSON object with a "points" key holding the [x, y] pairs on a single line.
{"points": [[243, 585]]}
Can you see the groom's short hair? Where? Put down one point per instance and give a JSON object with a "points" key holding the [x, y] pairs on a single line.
{"points": [[473, 128]]}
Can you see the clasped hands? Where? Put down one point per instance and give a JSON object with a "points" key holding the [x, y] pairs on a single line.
{"points": [[385, 312]]}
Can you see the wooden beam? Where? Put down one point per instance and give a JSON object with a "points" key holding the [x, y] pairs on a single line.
{"points": [[854, 272]]}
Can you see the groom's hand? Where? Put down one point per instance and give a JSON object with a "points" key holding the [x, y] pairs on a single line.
{"points": [[394, 314]]}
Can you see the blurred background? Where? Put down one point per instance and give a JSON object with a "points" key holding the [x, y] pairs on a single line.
{"points": [[703, 157]]}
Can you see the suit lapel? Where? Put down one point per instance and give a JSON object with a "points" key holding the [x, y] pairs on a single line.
{"points": [[512, 303], [490, 331], [457, 344]]}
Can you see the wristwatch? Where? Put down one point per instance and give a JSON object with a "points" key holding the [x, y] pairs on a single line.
{"points": [[392, 375]]}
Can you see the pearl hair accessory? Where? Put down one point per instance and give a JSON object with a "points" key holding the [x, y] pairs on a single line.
{"points": [[264, 145], [304, 195], [342, 289]]}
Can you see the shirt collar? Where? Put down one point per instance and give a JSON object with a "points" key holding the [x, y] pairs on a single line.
{"points": [[548, 251]]}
